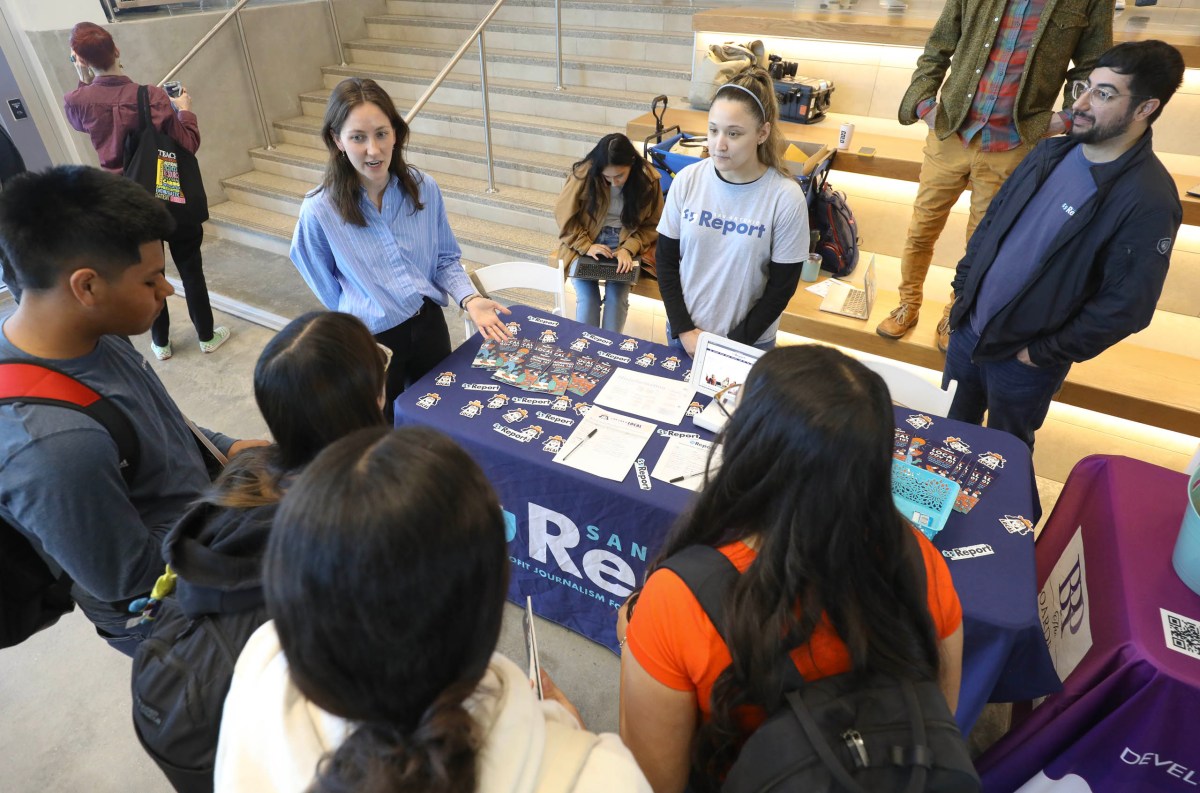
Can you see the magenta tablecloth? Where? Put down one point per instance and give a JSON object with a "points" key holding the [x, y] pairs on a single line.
{"points": [[1128, 718]]}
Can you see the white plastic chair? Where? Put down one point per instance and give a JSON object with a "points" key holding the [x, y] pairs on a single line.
{"points": [[910, 390], [519, 275]]}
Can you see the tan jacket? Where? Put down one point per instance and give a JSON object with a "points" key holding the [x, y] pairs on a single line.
{"points": [[1078, 31], [577, 232]]}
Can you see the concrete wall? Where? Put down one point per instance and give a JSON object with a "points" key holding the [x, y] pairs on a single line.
{"points": [[289, 43]]}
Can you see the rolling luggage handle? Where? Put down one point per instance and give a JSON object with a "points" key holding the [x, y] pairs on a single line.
{"points": [[657, 137]]}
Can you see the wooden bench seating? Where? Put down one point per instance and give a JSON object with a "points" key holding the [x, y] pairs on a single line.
{"points": [[898, 150], [1136, 383]]}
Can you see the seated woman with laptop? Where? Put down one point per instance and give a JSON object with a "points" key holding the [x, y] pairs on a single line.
{"points": [[608, 210]]}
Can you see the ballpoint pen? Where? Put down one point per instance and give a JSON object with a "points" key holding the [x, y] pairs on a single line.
{"points": [[576, 446]]}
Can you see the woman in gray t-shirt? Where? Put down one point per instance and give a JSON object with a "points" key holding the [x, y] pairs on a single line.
{"points": [[735, 227]]}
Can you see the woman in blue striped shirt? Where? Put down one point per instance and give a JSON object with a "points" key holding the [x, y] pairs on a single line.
{"points": [[374, 241]]}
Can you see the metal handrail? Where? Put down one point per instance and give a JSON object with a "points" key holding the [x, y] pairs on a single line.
{"points": [[235, 13], [203, 40], [450, 64], [476, 37]]}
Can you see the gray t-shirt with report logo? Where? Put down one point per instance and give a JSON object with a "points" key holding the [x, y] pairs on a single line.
{"points": [[728, 234]]}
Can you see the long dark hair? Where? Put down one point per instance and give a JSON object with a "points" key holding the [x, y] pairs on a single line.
{"points": [[385, 574], [317, 380], [806, 471], [341, 180], [638, 191]]}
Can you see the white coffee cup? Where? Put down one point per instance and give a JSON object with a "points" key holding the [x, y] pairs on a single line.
{"points": [[844, 136]]}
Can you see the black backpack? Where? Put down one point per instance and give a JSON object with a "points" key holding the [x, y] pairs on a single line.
{"points": [[830, 217], [168, 171], [183, 669], [181, 674], [31, 596], [839, 733]]}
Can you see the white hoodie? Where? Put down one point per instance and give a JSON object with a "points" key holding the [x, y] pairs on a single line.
{"points": [[272, 737]]}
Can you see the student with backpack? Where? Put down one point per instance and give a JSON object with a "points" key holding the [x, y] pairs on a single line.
{"points": [[824, 577], [385, 576], [105, 105], [319, 379], [86, 246], [734, 231]]}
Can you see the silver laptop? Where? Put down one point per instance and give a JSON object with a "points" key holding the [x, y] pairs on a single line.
{"points": [[850, 301]]}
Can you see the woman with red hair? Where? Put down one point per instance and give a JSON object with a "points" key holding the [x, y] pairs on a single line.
{"points": [[105, 106]]}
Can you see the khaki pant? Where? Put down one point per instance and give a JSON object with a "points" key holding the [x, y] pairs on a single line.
{"points": [[947, 169]]}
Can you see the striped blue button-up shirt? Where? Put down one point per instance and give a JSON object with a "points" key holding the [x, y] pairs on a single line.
{"points": [[380, 273]]}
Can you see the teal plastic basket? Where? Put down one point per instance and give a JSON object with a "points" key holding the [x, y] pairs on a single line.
{"points": [[1186, 557], [923, 498]]}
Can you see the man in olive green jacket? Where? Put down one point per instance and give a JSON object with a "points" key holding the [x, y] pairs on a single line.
{"points": [[1010, 59]]}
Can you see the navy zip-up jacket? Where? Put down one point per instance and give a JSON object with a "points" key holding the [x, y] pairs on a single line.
{"points": [[1100, 277]]}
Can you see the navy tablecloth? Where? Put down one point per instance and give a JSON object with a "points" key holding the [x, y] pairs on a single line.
{"points": [[579, 544]]}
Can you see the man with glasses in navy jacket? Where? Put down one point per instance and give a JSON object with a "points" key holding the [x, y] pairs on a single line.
{"points": [[1073, 251]]}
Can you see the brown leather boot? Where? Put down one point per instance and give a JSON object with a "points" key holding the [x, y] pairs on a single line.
{"points": [[898, 322], [943, 328]]}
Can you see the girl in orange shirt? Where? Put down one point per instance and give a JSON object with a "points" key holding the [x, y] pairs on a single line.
{"points": [[802, 506]]}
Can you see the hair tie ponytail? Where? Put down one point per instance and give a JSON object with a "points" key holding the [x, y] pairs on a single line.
{"points": [[438, 756]]}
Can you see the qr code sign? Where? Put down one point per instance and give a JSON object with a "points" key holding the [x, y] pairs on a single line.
{"points": [[1181, 633]]}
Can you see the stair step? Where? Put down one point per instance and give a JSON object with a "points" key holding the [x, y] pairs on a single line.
{"points": [[596, 26], [636, 43], [565, 136], [634, 100], [475, 9], [496, 242], [482, 241], [520, 206], [442, 53], [268, 191], [589, 105], [516, 167], [274, 225], [686, 7], [305, 163]]}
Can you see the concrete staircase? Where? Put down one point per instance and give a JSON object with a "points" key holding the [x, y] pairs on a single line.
{"points": [[617, 56]]}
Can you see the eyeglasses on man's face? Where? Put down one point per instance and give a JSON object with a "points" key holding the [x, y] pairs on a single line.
{"points": [[1101, 95]]}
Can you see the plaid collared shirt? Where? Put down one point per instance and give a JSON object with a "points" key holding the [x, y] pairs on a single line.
{"points": [[991, 113]]}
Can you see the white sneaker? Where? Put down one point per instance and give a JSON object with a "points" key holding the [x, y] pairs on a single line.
{"points": [[220, 336], [161, 353]]}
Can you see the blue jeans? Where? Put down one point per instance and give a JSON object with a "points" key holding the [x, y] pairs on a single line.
{"points": [[1016, 396], [616, 296]]}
